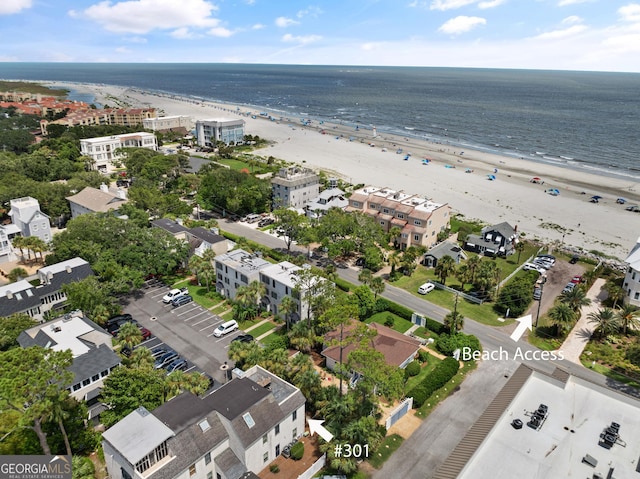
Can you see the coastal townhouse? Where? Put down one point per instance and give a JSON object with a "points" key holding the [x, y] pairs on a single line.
{"points": [[281, 280], [25, 214], [631, 283], [495, 240], [237, 268], [418, 218], [327, 199], [293, 187], [7, 233], [181, 123], [46, 295], [105, 151], [93, 200], [106, 116], [90, 346], [210, 132], [199, 239], [36, 104], [234, 432]]}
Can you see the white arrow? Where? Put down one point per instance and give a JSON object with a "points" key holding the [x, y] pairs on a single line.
{"points": [[524, 324], [456, 354], [315, 425]]}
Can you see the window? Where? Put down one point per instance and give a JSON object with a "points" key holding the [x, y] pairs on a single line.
{"points": [[417, 222], [356, 204], [95, 377], [209, 475], [86, 382], [400, 216], [294, 433], [294, 416], [264, 439], [192, 470], [405, 235], [265, 457], [416, 237], [154, 456], [207, 458], [274, 295], [277, 429]]}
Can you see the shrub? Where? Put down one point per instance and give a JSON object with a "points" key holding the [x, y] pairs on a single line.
{"points": [[274, 468], [343, 285], [389, 321], [441, 374], [412, 369], [448, 343], [297, 451], [423, 356]]}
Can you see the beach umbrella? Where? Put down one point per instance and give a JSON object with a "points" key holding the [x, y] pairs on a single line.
{"points": [[491, 177], [621, 201], [595, 198], [553, 192]]}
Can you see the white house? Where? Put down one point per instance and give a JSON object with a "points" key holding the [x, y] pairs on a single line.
{"points": [[632, 277], [235, 269], [168, 123], [209, 132], [294, 187], [235, 431], [7, 233], [25, 214], [104, 150]]}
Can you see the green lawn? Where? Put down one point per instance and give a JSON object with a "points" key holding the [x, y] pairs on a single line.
{"points": [[424, 333], [442, 393], [610, 373], [388, 447], [426, 369], [278, 333], [263, 328], [206, 299], [399, 324]]}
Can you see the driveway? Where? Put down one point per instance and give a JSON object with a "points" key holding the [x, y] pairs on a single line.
{"points": [[187, 329]]}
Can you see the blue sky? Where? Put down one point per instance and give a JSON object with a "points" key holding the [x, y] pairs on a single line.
{"points": [[601, 35]]}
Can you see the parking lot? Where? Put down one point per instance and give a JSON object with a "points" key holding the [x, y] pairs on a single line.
{"points": [[187, 329]]}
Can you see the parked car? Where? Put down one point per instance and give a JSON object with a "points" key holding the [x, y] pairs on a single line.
{"points": [[243, 338], [114, 327], [266, 222], [537, 294], [166, 358], [577, 279], [534, 267], [180, 300], [173, 294], [569, 287], [146, 334], [179, 364], [426, 288], [634, 208], [118, 319], [574, 259], [157, 352], [544, 260], [550, 257], [360, 261], [225, 328]]}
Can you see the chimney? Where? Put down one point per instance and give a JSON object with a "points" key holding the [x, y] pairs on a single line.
{"points": [[104, 188], [68, 269], [9, 294], [515, 228]]}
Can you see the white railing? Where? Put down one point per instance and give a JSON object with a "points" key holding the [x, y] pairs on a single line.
{"points": [[315, 467]]}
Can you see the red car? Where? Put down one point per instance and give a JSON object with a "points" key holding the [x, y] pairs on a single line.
{"points": [[576, 279], [146, 334]]}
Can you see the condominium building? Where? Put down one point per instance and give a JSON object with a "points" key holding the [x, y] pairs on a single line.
{"points": [[25, 214], [168, 123], [235, 269], [294, 187], [228, 131], [632, 277], [105, 150], [107, 116], [418, 218], [234, 432]]}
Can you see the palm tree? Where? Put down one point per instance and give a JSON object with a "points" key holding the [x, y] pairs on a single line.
{"points": [[463, 273], [394, 233], [129, 336], [37, 245], [606, 320], [287, 307], [302, 337], [394, 262], [17, 274], [519, 247], [19, 243], [377, 286], [615, 292], [195, 266], [576, 299], [141, 358], [365, 276], [628, 317], [445, 267], [454, 321], [562, 316], [473, 264]]}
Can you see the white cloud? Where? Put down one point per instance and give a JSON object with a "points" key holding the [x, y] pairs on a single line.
{"points": [[136, 39], [183, 33], [220, 32], [257, 26], [461, 24], [562, 33], [571, 20], [284, 22], [450, 4], [630, 13], [143, 16], [564, 3], [491, 4], [7, 7], [309, 11], [302, 40]]}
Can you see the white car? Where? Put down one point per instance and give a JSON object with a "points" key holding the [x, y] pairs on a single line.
{"points": [[534, 267], [426, 288], [173, 294]]}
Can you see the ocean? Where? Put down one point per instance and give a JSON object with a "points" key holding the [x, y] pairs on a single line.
{"points": [[581, 120]]}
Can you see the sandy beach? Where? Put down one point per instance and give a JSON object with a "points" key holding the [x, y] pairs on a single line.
{"points": [[359, 157]]}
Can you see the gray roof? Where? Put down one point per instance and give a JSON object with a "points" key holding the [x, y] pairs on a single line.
{"points": [[96, 200], [137, 434], [229, 464], [445, 249], [17, 297], [169, 225], [206, 235], [504, 229]]}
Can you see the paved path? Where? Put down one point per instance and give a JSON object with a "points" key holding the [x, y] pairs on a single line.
{"points": [[583, 329]]}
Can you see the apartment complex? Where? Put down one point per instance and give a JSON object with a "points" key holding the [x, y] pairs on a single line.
{"points": [[234, 432], [210, 132], [294, 187], [90, 345], [168, 123], [107, 116], [632, 277], [418, 218], [235, 269], [35, 301], [25, 214], [104, 150]]}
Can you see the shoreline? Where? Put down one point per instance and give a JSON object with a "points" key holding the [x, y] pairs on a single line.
{"points": [[343, 151]]}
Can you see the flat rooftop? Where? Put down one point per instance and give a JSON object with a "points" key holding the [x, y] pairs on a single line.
{"points": [[579, 411]]}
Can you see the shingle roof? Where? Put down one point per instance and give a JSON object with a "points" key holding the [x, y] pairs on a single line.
{"points": [[169, 225], [445, 248], [96, 200], [207, 235]]}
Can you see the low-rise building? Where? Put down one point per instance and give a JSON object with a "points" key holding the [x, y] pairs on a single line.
{"points": [[327, 199], [446, 248], [199, 239], [210, 132], [92, 200], [418, 218], [496, 240], [237, 268], [105, 151], [234, 432], [23, 297], [7, 233], [632, 277], [90, 345], [293, 187], [281, 280], [168, 123], [25, 214]]}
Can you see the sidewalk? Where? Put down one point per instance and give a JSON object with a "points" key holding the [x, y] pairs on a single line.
{"points": [[583, 329]]}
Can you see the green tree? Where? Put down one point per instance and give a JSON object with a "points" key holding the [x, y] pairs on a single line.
{"points": [[454, 321], [628, 317], [291, 224], [140, 358], [519, 247], [302, 337], [89, 295], [446, 266], [615, 292], [11, 327], [129, 336], [82, 468], [365, 276], [576, 299], [288, 307], [377, 286], [605, 320], [16, 274], [562, 316], [364, 300]]}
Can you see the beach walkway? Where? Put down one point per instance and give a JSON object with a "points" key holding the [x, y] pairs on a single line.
{"points": [[583, 329]]}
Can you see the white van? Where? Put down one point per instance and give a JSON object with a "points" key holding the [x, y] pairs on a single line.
{"points": [[426, 288], [225, 328]]}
